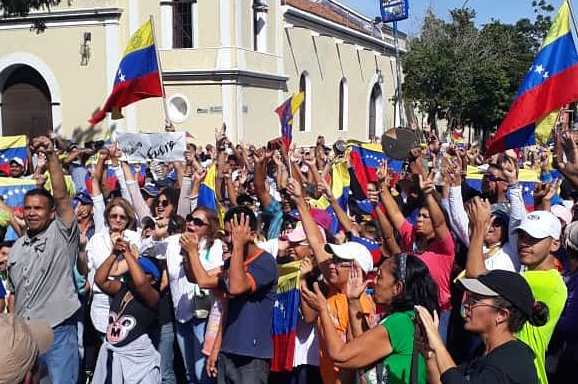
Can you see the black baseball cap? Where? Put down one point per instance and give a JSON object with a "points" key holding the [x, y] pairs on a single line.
{"points": [[511, 286]]}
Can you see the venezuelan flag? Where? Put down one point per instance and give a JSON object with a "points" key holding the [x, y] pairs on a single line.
{"points": [[137, 76], [12, 192], [365, 159], [551, 82], [285, 315], [527, 178], [340, 187], [371, 245], [286, 111], [207, 195], [11, 147]]}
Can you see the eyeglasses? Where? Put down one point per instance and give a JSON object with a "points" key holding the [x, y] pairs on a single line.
{"points": [[164, 203], [341, 263], [116, 216], [196, 221], [492, 177], [472, 302]]}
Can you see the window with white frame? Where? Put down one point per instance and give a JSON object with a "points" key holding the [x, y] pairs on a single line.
{"points": [[260, 9], [183, 12]]}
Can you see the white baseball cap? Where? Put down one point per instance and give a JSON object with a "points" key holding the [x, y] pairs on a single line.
{"points": [[352, 251], [541, 224]]}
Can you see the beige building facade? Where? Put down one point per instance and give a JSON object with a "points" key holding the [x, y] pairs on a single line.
{"points": [[231, 61]]}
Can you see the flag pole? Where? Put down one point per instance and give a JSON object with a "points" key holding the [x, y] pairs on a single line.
{"points": [[165, 108], [572, 16]]}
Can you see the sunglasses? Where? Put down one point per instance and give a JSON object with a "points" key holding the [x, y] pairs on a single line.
{"points": [[491, 177], [115, 216], [341, 262], [196, 221], [164, 203]]}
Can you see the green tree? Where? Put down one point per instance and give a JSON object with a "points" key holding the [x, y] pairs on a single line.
{"points": [[11, 8], [469, 75]]}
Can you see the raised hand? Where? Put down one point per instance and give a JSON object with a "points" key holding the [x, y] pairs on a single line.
{"points": [[479, 211], [305, 267], [356, 285], [509, 169], [314, 299], [42, 144], [294, 189], [241, 231], [427, 185], [325, 188], [189, 241], [430, 324]]}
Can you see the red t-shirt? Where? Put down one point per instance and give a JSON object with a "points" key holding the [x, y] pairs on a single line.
{"points": [[439, 258]]}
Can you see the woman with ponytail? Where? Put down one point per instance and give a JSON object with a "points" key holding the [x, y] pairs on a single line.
{"points": [[498, 304]]}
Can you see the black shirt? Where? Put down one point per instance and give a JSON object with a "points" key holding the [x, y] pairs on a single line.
{"points": [[512, 362], [128, 318]]}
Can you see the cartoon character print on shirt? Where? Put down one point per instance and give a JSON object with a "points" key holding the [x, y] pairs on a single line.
{"points": [[119, 324], [119, 328]]}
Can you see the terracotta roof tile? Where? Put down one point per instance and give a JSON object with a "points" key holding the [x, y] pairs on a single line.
{"points": [[321, 10]]}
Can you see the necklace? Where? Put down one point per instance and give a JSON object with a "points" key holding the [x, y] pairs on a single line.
{"points": [[124, 303]]}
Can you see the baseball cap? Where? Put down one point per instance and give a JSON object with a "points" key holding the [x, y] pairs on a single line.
{"points": [[352, 251], [83, 197], [18, 161], [562, 213], [22, 341], [320, 216], [499, 213], [298, 234], [151, 190], [506, 284], [149, 267], [541, 224]]}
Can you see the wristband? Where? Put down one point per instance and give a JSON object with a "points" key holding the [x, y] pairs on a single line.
{"points": [[514, 185]]}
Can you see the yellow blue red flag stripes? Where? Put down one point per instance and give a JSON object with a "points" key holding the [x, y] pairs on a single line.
{"points": [[285, 314], [551, 82], [12, 191], [208, 196], [286, 111], [527, 178], [11, 147], [137, 76]]}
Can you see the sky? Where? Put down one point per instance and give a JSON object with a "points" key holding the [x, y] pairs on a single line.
{"points": [[507, 11]]}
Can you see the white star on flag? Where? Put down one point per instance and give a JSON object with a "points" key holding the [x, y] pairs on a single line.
{"points": [[120, 75], [545, 75], [539, 69]]}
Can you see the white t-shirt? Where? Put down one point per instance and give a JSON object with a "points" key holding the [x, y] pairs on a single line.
{"points": [[97, 251], [183, 291], [499, 260]]}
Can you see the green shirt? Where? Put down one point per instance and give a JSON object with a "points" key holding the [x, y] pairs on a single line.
{"points": [[549, 288], [400, 328]]}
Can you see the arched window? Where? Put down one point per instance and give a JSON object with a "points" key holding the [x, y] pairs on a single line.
{"points": [[343, 104], [305, 111], [375, 112], [260, 9]]}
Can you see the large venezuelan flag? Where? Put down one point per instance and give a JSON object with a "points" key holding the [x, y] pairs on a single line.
{"points": [[551, 82], [286, 111], [137, 76], [285, 313], [207, 195], [12, 192], [11, 147]]}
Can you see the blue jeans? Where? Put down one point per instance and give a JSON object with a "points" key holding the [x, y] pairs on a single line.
{"points": [[190, 337], [165, 348], [62, 359]]}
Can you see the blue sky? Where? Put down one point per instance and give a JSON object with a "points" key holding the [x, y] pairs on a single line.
{"points": [[507, 11]]}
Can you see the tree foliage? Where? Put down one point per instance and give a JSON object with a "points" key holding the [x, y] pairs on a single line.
{"points": [[469, 75], [11, 8]]}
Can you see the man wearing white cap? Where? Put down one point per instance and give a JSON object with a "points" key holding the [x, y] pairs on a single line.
{"points": [[538, 239], [16, 167]]}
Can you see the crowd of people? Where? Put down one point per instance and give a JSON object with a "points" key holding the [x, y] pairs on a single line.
{"points": [[266, 264]]}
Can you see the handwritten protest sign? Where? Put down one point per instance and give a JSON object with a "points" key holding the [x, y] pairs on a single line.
{"points": [[166, 146]]}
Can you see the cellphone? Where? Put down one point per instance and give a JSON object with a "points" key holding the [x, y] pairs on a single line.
{"points": [[273, 145]]}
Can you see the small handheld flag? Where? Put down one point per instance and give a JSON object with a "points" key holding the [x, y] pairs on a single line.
{"points": [[137, 76], [286, 111], [551, 82]]}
